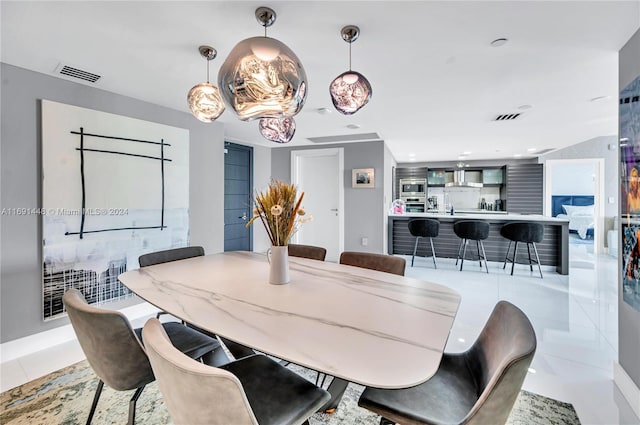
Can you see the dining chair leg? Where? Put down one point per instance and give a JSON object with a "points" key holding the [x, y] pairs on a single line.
{"points": [[385, 421], [513, 260], [337, 387], [433, 254], [535, 250], [506, 257], [132, 406], [96, 397], [529, 253], [484, 256], [464, 253], [479, 256], [459, 249], [415, 248]]}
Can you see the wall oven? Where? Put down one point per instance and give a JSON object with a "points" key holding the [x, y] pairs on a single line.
{"points": [[414, 194], [413, 187]]}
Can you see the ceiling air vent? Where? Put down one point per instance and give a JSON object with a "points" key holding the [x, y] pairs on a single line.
{"points": [[507, 117], [73, 72], [362, 137]]}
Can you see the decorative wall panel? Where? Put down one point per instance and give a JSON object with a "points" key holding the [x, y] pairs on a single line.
{"points": [[630, 192]]}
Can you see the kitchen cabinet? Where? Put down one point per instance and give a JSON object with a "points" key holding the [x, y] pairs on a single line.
{"points": [[493, 176]]}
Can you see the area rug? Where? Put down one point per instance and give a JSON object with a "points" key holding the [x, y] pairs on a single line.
{"points": [[64, 397]]}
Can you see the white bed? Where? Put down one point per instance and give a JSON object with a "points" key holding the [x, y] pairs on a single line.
{"points": [[581, 218]]}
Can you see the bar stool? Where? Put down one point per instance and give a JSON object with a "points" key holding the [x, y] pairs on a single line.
{"points": [[527, 232], [424, 228], [474, 230]]}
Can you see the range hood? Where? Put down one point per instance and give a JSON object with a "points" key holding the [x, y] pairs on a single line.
{"points": [[459, 180]]}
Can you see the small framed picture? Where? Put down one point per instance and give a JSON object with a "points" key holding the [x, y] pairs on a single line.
{"points": [[362, 178]]}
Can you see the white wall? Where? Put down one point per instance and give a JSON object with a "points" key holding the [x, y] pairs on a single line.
{"points": [[573, 178]]}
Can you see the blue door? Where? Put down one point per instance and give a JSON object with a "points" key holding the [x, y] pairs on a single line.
{"points": [[238, 184]]}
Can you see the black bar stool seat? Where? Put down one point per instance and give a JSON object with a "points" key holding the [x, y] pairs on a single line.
{"points": [[527, 232], [424, 228], [474, 230]]}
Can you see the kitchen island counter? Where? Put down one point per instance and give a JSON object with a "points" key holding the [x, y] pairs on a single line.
{"points": [[553, 250]]}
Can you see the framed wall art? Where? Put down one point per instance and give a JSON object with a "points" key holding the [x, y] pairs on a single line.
{"points": [[363, 178], [113, 188]]}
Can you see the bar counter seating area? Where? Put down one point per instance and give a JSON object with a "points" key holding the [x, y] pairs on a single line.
{"points": [[368, 213], [552, 250]]}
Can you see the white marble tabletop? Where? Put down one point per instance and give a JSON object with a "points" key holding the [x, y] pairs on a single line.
{"points": [[361, 325]]}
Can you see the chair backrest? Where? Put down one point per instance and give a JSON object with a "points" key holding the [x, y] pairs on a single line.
{"points": [[424, 227], [369, 260], [110, 344], [307, 251], [471, 229], [194, 392], [500, 359], [523, 232], [175, 254]]}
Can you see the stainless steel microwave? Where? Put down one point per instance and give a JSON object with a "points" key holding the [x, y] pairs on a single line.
{"points": [[410, 187]]}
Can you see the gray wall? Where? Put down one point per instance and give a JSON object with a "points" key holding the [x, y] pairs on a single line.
{"points": [[20, 172], [628, 318], [364, 208]]}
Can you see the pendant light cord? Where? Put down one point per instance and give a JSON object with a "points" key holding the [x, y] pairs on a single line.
{"points": [[208, 70], [350, 56]]}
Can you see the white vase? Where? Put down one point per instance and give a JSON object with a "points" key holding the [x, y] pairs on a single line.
{"points": [[278, 257]]}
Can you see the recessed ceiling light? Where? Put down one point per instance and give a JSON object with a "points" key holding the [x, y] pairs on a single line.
{"points": [[525, 107], [598, 98], [412, 154], [531, 150], [412, 159], [353, 126], [498, 42], [466, 153], [461, 157], [323, 111], [517, 155]]}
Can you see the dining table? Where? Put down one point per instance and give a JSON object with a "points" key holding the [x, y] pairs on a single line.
{"points": [[357, 325]]}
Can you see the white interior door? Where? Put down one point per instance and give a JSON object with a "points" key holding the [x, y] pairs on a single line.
{"points": [[319, 173]]}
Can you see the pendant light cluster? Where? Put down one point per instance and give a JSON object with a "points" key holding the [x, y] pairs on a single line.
{"points": [[350, 91], [263, 79]]}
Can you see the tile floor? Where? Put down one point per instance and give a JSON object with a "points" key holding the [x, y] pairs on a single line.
{"points": [[575, 318]]}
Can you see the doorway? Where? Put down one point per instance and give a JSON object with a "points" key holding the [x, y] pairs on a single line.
{"points": [[319, 173], [238, 185], [578, 177]]}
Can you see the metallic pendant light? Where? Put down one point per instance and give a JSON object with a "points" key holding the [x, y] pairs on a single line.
{"points": [[204, 99], [279, 130], [350, 91], [262, 77]]}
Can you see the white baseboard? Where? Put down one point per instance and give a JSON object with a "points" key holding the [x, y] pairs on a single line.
{"points": [[21, 347], [627, 387]]}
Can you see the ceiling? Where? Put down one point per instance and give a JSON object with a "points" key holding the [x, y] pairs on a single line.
{"points": [[437, 82]]}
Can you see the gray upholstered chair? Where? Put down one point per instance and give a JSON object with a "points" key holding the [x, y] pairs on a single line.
{"points": [[527, 232], [474, 230], [476, 387], [369, 260], [424, 228], [114, 349], [252, 390], [176, 254], [307, 251]]}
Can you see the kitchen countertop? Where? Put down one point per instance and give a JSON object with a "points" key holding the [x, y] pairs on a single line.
{"points": [[501, 216]]}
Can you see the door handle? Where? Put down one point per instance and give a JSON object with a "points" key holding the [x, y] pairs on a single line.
{"points": [[333, 209], [243, 216]]}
